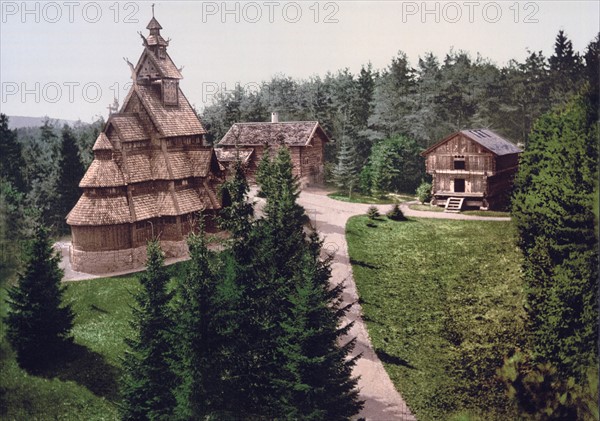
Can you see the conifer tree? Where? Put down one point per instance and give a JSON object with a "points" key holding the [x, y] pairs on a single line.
{"points": [[38, 323], [195, 311], [553, 210], [12, 163], [149, 380], [345, 173], [236, 216], [70, 173]]}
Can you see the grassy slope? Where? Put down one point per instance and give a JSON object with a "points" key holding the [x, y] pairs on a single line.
{"points": [[443, 305], [85, 388]]}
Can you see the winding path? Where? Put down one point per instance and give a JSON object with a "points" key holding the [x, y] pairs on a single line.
{"points": [[382, 400]]}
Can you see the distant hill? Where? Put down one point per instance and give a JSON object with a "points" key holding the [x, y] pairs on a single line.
{"points": [[17, 122]]}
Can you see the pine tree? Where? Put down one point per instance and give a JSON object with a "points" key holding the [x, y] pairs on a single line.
{"points": [[345, 173], [295, 367], [318, 380], [70, 173], [149, 380], [12, 163], [553, 210], [197, 365], [565, 69], [38, 323], [236, 216]]}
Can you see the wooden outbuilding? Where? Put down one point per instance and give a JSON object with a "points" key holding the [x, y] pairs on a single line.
{"points": [[152, 172], [305, 140], [472, 168]]}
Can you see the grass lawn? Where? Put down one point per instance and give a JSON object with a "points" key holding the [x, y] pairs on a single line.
{"points": [[427, 208], [443, 304], [86, 386], [388, 199]]}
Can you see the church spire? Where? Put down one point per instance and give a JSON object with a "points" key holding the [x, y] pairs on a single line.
{"points": [[154, 38]]}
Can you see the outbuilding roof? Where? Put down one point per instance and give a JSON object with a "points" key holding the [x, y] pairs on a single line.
{"points": [[484, 137], [291, 133]]}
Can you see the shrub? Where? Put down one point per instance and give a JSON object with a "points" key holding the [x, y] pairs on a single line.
{"points": [[424, 192], [372, 212], [395, 213]]}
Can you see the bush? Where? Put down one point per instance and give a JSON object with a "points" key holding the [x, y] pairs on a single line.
{"points": [[424, 192], [372, 212], [395, 213]]}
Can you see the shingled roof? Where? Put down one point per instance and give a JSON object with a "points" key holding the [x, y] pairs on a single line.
{"points": [[486, 138], [231, 155], [128, 126], [291, 133], [179, 120], [102, 143]]}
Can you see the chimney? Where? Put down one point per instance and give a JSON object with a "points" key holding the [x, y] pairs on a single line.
{"points": [[274, 117]]}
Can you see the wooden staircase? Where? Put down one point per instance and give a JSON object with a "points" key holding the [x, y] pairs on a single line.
{"points": [[454, 204]]}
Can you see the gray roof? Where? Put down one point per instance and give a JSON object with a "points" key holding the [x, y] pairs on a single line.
{"points": [[291, 133], [491, 141]]}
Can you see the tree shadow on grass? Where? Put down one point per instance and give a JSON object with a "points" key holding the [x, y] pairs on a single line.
{"points": [[392, 359], [86, 368], [363, 264]]}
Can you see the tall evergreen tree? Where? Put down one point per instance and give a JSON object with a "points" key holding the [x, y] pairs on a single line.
{"points": [[553, 209], [38, 322], [345, 173], [148, 378], [197, 365], [70, 173], [12, 163], [565, 69]]}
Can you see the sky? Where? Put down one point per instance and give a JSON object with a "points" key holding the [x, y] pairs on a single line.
{"points": [[65, 59]]}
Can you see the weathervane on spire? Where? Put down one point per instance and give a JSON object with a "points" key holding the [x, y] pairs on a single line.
{"points": [[152, 9]]}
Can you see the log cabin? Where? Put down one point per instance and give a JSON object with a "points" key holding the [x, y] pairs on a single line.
{"points": [[472, 168], [152, 172], [305, 140]]}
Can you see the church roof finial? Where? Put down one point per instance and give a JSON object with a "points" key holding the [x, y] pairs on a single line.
{"points": [[152, 9]]}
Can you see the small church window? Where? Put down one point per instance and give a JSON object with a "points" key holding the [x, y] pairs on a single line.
{"points": [[459, 163]]}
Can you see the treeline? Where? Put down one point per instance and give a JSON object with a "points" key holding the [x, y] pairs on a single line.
{"points": [[40, 171], [252, 332], [418, 105]]}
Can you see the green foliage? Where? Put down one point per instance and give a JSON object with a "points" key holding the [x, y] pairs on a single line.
{"points": [[395, 165], [148, 379], [424, 192], [395, 213], [70, 173], [373, 212], [11, 164], [237, 213], [543, 394], [443, 303], [196, 337], [553, 209], [38, 322], [345, 173], [12, 224]]}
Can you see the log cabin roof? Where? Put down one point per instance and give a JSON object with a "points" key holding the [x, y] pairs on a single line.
{"points": [[486, 138], [291, 133], [231, 154]]}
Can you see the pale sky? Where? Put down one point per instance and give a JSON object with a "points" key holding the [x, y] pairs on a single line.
{"points": [[65, 59]]}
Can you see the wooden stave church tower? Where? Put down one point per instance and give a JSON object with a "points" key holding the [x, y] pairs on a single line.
{"points": [[151, 174]]}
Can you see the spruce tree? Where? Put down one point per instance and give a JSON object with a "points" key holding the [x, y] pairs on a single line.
{"points": [[553, 210], [12, 163], [148, 380], [38, 323], [197, 364], [70, 173], [345, 173]]}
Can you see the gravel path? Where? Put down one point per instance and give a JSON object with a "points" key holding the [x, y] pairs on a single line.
{"points": [[382, 400]]}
